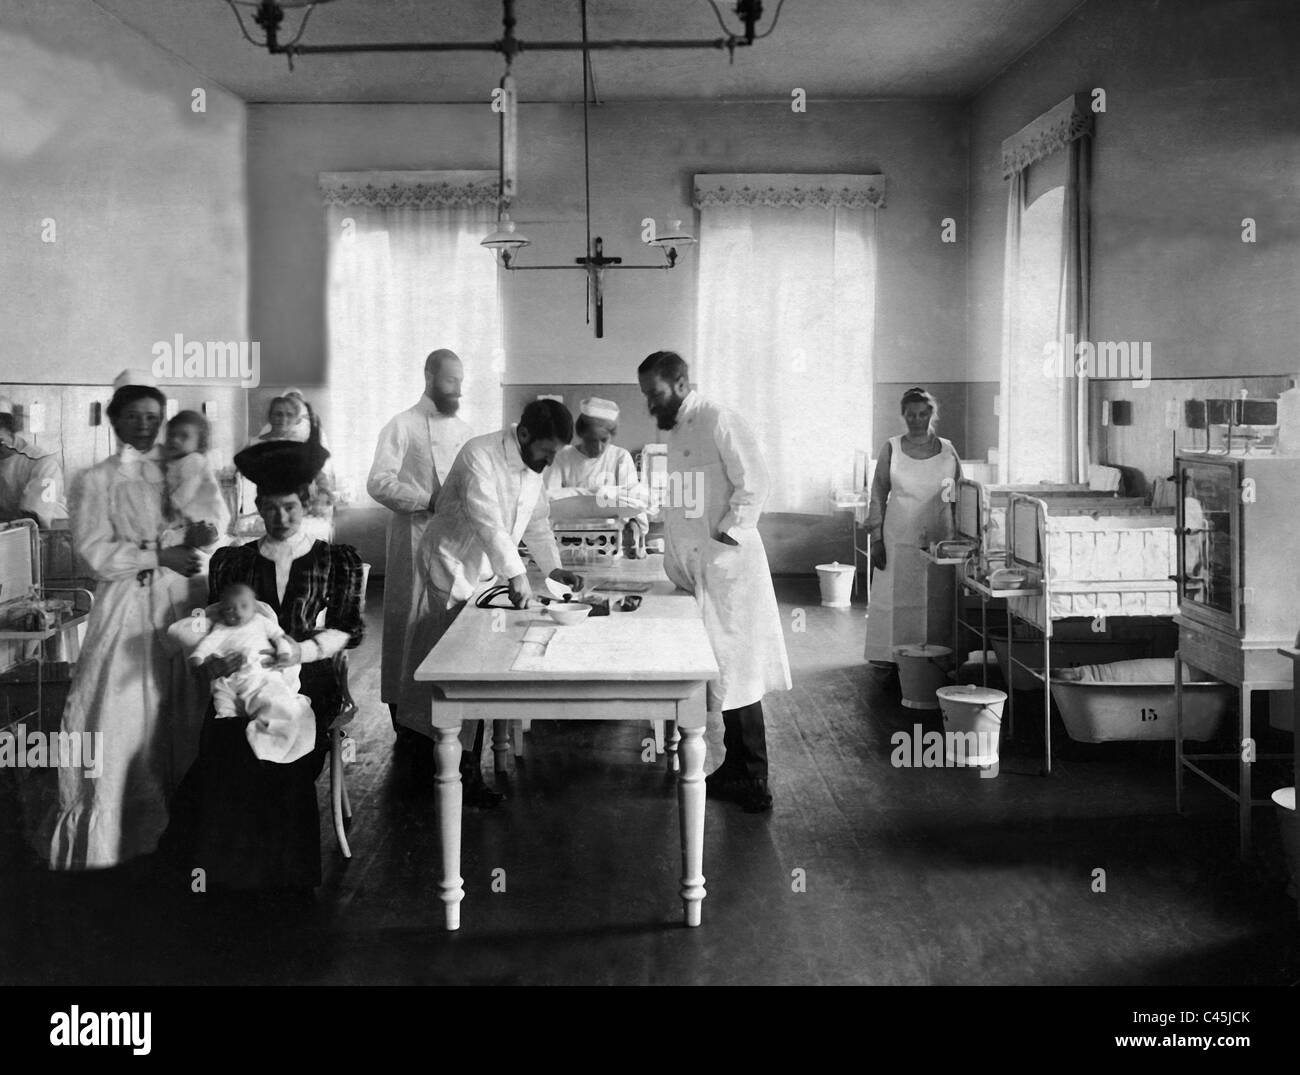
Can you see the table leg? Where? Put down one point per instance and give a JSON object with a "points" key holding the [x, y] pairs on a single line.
{"points": [[452, 885], [1178, 733], [690, 805], [984, 639], [517, 737], [1295, 731], [1011, 675], [671, 738], [1047, 699], [500, 745], [1244, 791]]}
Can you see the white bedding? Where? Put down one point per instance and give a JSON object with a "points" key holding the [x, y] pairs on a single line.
{"points": [[1113, 565]]}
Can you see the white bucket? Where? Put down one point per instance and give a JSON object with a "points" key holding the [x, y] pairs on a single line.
{"points": [[922, 670], [837, 584], [1284, 800], [968, 709]]}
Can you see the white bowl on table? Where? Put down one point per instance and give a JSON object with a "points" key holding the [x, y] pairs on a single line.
{"points": [[567, 613]]}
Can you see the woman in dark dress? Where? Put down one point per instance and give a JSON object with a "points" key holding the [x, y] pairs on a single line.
{"points": [[249, 823]]}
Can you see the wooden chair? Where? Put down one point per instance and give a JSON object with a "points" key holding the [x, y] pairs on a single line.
{"points": [[340, 805]]}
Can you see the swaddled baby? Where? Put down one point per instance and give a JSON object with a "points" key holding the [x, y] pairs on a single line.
{"points": [[282, 726]]}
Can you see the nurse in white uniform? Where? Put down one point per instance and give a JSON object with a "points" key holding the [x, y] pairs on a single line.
{"points": [[598, 466], [412, 460], [912, 500], [126, 692], [713, 550]]}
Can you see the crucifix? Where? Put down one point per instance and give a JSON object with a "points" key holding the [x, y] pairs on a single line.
{"points": [[595, 264]]}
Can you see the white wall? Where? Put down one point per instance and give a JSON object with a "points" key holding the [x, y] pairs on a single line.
{"points": [[1201, 130], [146, 195]]}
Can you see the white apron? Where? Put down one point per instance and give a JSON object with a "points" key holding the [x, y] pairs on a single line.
{"points": [[732, 583], [911, 599], [412, 459]]}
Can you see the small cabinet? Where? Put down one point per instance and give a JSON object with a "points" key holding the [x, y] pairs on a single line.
{"points": [[1237, 543]]}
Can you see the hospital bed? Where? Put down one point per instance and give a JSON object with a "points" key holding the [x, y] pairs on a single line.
{"points": [[1094, 566]]}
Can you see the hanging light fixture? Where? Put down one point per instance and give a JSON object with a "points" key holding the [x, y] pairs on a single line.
{"points": [[506, 239], [269, 15], [676, 236]]}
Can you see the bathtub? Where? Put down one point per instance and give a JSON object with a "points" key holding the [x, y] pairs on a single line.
{"points": [[1127, 700], [1064, 651]]}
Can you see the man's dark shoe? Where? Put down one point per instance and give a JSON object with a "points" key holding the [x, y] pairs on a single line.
{"points": [[754, 797], [724, 782], [731, 785]]}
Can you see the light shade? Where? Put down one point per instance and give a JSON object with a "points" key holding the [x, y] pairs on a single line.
{"points": [[674, 235], [506, 236]]}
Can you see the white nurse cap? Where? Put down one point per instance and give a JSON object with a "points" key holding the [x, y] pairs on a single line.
{"points": [[140, 377], [595, 407]]}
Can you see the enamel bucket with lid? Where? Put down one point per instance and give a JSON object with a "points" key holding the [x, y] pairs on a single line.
{"points": [[973, 716], [922, 670]]}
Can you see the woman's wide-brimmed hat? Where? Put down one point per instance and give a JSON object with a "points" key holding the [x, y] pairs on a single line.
{"points": [[281, 466]]}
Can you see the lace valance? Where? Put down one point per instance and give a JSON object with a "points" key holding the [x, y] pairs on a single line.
{"points": [[790, 190], [1054, 129], [411, 190]]}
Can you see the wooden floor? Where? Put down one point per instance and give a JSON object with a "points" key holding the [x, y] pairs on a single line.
{"points": [[910, 876]]}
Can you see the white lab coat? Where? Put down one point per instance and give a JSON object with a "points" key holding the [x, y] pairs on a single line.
{"points": [[723, 486], [612, 472], [412, 460], [489, 502], [31, 482]]}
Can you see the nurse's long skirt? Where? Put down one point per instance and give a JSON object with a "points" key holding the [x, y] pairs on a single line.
{"points": [[912, 599]]}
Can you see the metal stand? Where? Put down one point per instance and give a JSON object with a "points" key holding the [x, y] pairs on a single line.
{"points": [[1245, 757]]}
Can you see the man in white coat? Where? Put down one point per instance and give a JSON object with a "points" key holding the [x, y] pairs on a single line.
{"points": [[717, 485], [412, 460], [492, 499]]}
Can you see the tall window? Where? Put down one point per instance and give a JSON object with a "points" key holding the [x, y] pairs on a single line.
{"points": [[1034, 396], [787, 284], [1042, 431], [406, 276]]}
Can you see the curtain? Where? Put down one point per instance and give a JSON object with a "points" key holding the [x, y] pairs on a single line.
{"points": [[1073, 321], [787, 284], [1010, 319], [1042, 425], [406, 275]]}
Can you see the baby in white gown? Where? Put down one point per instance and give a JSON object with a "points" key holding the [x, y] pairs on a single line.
{"points": [[282, 727], [195, 504]]}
